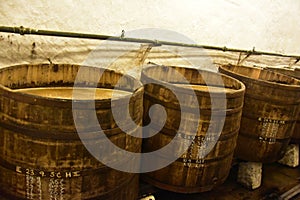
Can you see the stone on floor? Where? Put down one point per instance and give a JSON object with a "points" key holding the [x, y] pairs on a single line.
{"points": [[291, 156], [250, 174]]}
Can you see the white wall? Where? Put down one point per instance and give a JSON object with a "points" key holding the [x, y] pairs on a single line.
{"points": [[269, 25]]}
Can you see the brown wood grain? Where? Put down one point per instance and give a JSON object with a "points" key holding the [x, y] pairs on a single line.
{"points": [[41, 154], [296, 74], [270, 112], [189, 176]]}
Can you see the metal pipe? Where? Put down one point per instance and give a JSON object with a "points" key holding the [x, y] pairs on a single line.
{"points": [[22, 30]]}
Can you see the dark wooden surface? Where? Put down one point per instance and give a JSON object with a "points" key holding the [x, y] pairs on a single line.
{"points": [[296, 74], [197, 169], [277, 179], [270, 110], [41, 153]]}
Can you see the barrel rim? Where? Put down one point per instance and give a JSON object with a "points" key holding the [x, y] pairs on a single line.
{"points": [[241, 90], [6, 91], [285, 70], [223, 68]]}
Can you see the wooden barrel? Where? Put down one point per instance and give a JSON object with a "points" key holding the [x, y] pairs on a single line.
{"points": [[296, 74], [41, 153], [269, 114], [191, 173]]}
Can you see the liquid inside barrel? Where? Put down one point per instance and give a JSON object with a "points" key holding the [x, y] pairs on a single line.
{"points": [[270, 112], [204, 143], [42, 154]]}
